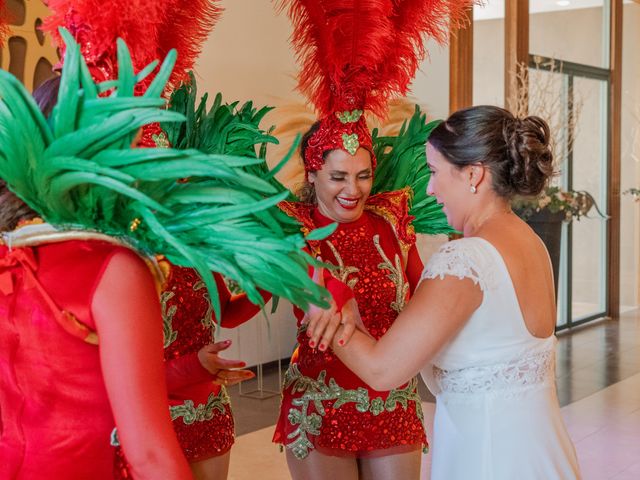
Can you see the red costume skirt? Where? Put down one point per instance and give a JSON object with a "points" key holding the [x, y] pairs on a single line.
{"points": [[204, 430], [334, 412]]}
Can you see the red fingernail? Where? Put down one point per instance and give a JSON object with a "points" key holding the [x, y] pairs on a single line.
{"points": [[312, 344], [341, 342], [227, 342], [322, 347]]}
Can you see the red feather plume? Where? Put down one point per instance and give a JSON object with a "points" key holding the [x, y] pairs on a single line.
{"points": [[359, 53], [186, 28], [150, 29]]}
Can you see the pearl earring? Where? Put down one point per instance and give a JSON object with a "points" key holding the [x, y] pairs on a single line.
{"points": [[473, 189]]}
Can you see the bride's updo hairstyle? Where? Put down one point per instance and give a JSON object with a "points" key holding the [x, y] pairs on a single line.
{"points": [[515, 150]]}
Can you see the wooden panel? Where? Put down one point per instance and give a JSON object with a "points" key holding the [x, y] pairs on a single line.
{"points": [[516, 46], [613, 233], [30, 47], [461, 67]]}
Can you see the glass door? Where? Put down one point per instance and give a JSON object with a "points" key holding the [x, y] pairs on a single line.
{"points": [[579, 97]]}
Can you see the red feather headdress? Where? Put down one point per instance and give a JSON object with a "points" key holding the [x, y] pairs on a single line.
{"points": [[357, 54], [150, 29]]}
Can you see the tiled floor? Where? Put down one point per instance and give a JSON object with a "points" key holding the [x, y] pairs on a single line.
{"points": [[598, 378]]}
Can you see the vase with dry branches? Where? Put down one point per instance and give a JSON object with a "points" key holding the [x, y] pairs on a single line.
{"points": [[537, 93]]}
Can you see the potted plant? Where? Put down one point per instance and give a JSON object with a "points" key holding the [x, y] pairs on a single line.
{"points": [[546, 213], [634, 192], [535, 93]]}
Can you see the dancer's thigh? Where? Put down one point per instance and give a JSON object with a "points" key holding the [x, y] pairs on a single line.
{"points": [[317, 466], [214, 468], [389, 467]]}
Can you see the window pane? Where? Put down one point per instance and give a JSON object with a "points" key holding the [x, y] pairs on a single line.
{"points": [[570, 30]]}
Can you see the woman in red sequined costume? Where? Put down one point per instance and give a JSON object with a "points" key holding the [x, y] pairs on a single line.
{"points": [[330, 420], [196, 376], [61, 394], [200, 410]]}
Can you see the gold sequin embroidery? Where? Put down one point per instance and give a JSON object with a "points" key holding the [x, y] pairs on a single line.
{"points": [[208, 319], [203, 412], [342, 273], [168, 312], [396, 275], [316, 391]]}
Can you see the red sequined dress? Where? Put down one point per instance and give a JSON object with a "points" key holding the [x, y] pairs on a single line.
{"points": [[325, 405], [200, 409], [56, 420]]}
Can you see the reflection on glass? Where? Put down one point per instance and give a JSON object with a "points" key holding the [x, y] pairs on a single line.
{"points": [[576, 110], [589, 173]]}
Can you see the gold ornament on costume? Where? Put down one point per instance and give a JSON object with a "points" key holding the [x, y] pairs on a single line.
{"points": [[350, 143]]}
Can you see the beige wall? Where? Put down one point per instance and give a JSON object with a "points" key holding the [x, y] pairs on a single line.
{"points": [[630, 221]]}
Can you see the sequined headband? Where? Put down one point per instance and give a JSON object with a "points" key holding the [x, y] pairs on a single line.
{"points": [[344, 130]]}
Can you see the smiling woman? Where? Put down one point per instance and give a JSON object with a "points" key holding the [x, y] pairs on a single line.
{"points": [[343, 185], [480, 324], [329, 417]]}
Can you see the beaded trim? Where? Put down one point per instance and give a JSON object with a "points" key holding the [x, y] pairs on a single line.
{"points": [[207, 320], [169, 335], [203, 412], [396, 275], [316, 391]]}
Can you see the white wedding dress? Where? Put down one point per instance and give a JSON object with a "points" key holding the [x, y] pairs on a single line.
{"points": [[497, 413]]}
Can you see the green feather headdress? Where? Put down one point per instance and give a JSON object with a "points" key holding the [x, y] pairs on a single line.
{"points": [[402, 162], [230, 129], [78, 171]]}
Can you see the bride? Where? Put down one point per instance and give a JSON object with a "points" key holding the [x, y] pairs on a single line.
{"points": [[480, 326]]}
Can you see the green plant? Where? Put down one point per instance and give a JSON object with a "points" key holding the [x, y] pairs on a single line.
{"points": [[574, 204], [635, 192]]}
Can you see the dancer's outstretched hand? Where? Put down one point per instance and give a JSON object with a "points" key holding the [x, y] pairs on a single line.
{"points": [[225, 372]]}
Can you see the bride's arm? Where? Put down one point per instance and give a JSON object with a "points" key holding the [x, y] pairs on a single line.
{"points": [[437, 311]]}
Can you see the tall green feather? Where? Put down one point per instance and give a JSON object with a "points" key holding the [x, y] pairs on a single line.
{"points": [[79, 171], [402, 162]]}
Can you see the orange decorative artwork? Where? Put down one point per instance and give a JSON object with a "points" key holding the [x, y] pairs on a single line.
{"points": [[28, 53]]}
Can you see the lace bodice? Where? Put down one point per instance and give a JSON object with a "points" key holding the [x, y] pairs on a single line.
{"points": [[494, 352], [529, 371]]}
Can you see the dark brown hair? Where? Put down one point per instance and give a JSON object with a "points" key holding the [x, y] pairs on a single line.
{"points": [[515, 150], [306, 192], [46, 95], [12, 209]]}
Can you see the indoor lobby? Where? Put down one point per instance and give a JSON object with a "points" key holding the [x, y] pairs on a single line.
{"points": [[572, 62]]}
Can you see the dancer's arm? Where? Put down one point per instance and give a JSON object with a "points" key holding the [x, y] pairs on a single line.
{"points": [[323, 324], [437, 311], [205, 365], [127, 315], [414, 268]]}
